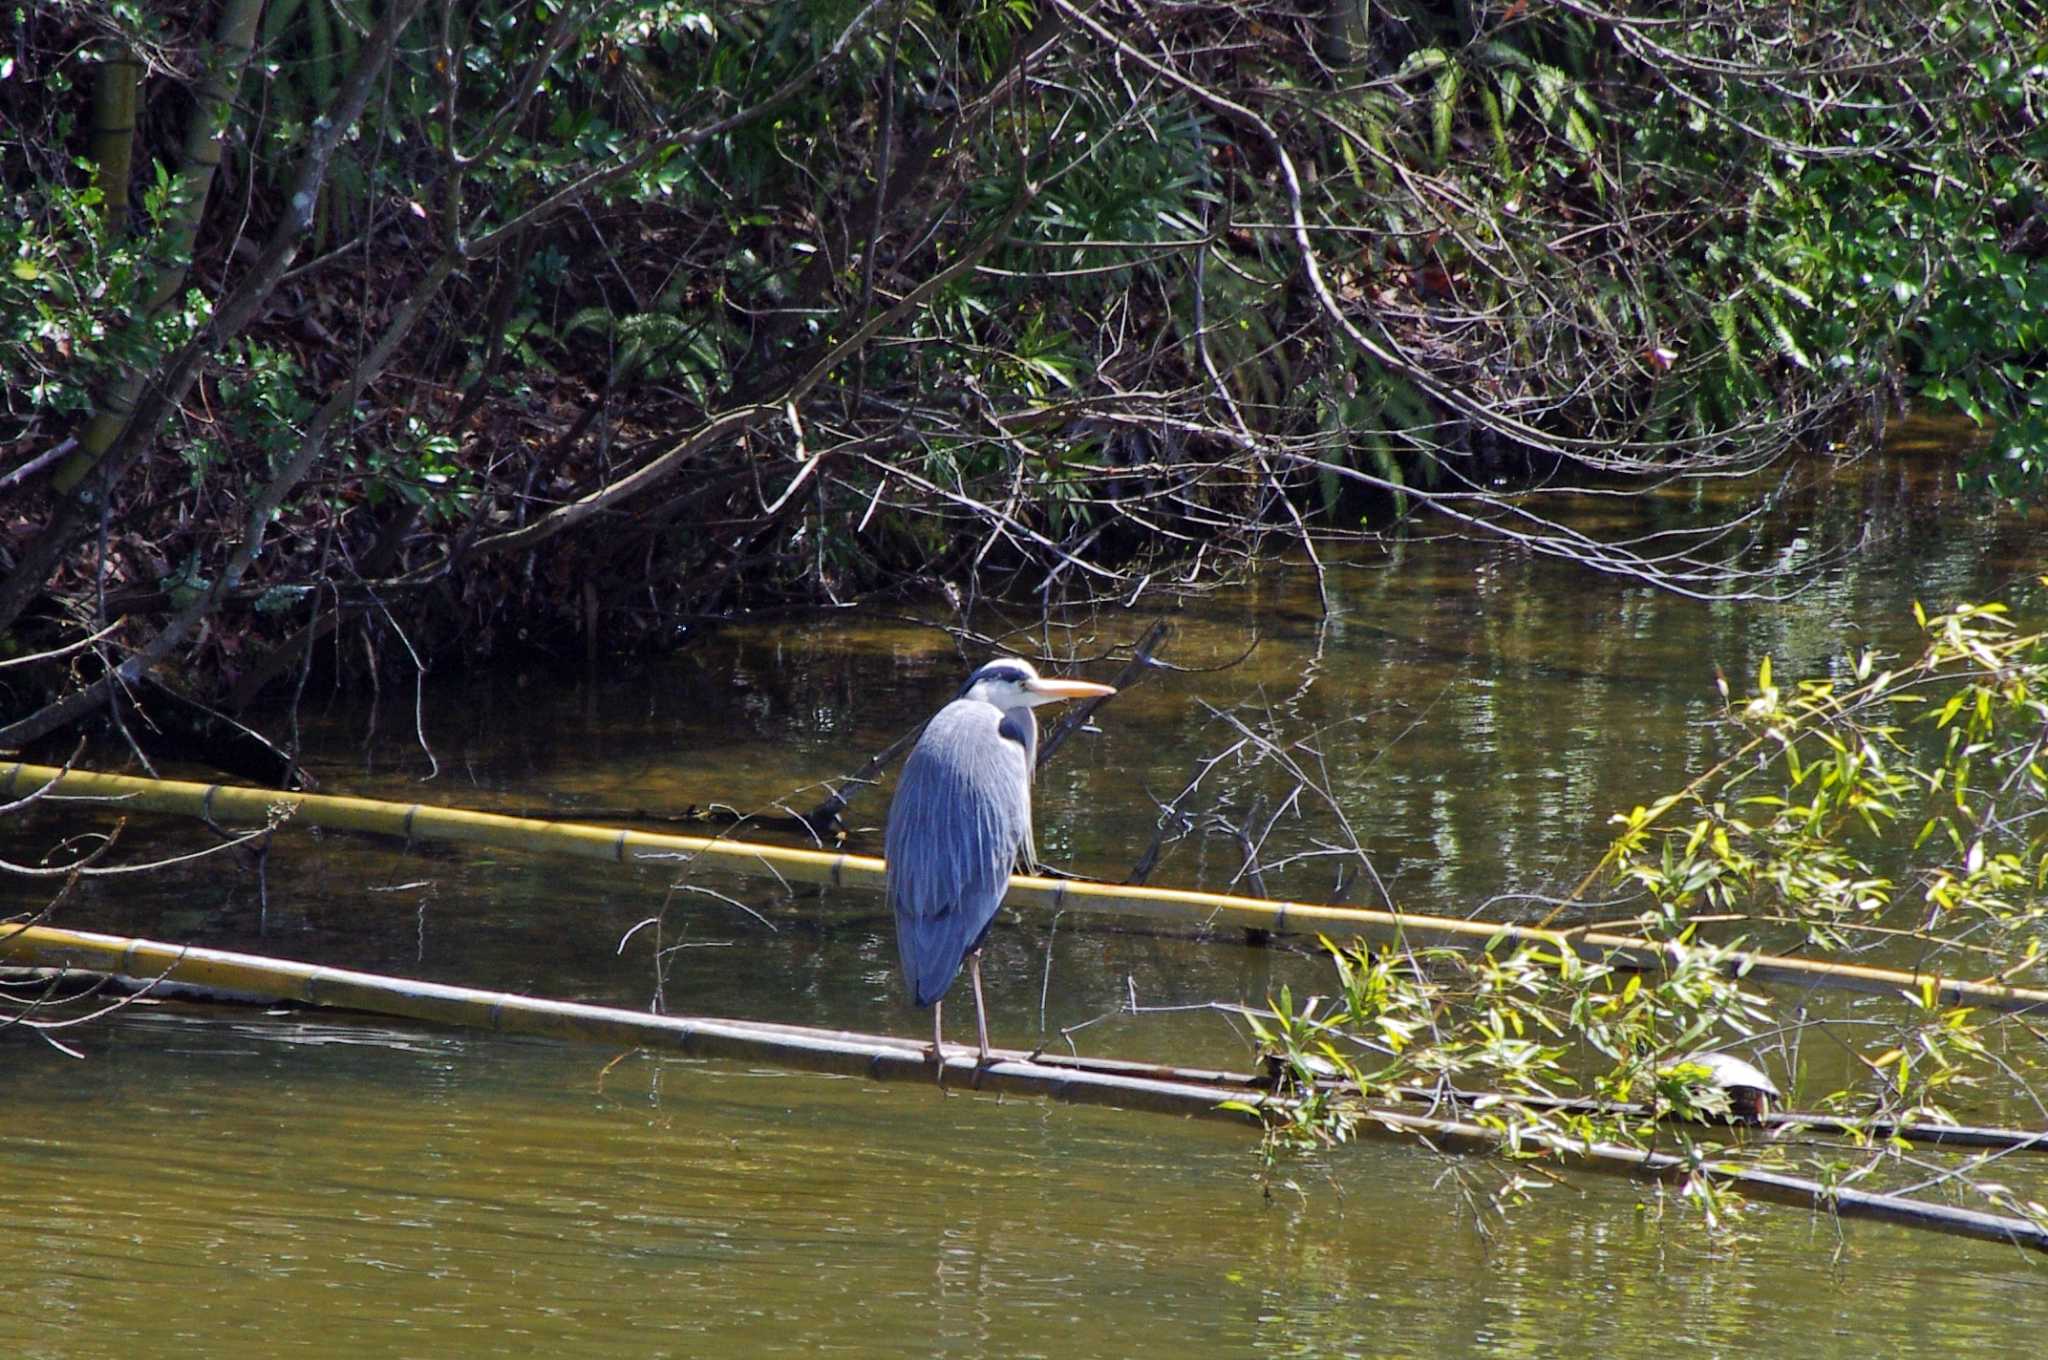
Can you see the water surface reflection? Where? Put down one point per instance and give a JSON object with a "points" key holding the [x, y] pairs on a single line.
{"points": [[329, 1186]]}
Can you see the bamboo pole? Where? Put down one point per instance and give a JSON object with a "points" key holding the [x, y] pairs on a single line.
{"points": [[578, 840], [1194, 1094], [220, 78], [839, 1052], [113, 133]]}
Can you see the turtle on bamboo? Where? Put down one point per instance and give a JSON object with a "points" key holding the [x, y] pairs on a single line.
{"points": [[1749, 1092]]}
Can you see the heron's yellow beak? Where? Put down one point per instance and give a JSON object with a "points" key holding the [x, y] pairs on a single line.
{"points": [[1049, 690]]}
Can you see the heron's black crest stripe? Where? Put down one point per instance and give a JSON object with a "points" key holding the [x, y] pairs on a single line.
{"points": [[1000, 670]]}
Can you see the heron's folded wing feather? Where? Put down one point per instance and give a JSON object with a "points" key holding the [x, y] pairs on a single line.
{"points": [[961, 813]]}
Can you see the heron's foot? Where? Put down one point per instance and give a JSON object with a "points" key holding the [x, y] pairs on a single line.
{"points": [[982, 1062], [936, 1056]]}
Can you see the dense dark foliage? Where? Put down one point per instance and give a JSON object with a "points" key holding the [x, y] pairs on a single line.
{"points": [[517, 322]]}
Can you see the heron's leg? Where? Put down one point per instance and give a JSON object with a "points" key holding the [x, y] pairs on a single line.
{"points": [[980, 1011], [938, 1045]]}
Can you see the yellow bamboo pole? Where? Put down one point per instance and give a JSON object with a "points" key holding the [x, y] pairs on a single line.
{"points": [[842, 1052], [884, 1058], [427, 822]]}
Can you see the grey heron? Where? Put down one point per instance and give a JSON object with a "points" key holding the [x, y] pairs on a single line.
{"points": [[960, 820]]}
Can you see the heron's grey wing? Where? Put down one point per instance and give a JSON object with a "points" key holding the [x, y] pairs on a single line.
{"points": [[961, 812]]}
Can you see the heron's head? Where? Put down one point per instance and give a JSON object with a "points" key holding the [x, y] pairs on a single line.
{"points": [[1008, 683]]}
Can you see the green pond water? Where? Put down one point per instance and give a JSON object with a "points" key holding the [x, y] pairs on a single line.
{"points": [[225, 1182]]}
